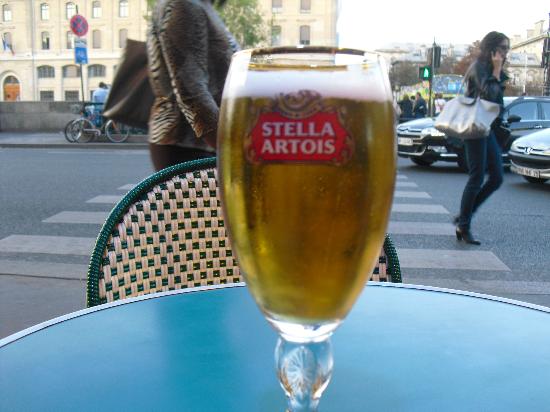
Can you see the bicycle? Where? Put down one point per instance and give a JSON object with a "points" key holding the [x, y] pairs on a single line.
{"points": [[92, 125]]}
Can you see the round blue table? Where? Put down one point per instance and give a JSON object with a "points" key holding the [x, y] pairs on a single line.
{"points": [[402, 348]]}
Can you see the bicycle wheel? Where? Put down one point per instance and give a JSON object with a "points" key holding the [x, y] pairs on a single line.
{"points": [[116, 132], [85, 130], [70, 131]]}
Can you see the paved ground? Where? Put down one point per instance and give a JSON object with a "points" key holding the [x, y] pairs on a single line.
{"points": [[420, 227]]}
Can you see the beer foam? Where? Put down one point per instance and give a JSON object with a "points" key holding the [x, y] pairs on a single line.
{"points": [[354, 83]]}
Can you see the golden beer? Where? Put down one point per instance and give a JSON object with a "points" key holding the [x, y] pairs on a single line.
{"points": [[307, 231]]}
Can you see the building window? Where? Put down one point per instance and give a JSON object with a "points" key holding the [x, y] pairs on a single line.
{"points": [[44, 11], [46, 95], [276, 35], [72, 95], [96, 39], [96, 9], [71, 70], [123, 8], [122, 37], [45, 72], [305, 6], [276, 6], [305, 35], [70, 9], [6, 12], [7, 42], [70, 40], [96, 70], [45, 40]]}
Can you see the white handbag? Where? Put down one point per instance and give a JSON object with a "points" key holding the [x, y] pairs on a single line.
{"points": [[467, 117]]}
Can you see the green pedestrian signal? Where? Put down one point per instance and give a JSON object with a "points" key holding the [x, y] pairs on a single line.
{"points": [[425, 72]]}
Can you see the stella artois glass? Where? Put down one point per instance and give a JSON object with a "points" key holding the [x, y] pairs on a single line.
{"points": [[307, 168]]}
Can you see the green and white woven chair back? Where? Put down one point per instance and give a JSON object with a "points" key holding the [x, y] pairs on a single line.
{"points": [[168, 233]]}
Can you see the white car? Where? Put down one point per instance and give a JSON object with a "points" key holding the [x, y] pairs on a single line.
{"points": [[530, 156]]}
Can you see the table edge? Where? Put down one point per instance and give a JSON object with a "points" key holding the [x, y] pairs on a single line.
{"points": [[63, 318]]}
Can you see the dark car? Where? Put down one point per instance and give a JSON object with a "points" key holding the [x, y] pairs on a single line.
{"points": [[530, 156], [419, 141]]}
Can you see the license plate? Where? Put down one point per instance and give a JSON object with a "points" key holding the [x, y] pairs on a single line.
{"points": [[405, 141], [438, 149], [526, 171]]}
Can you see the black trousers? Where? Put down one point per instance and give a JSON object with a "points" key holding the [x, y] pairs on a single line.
{"points": [[163, 156], [483, 155]]}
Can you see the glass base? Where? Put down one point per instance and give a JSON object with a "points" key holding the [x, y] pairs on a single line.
{"points": [[293, 332], [304, 371]]}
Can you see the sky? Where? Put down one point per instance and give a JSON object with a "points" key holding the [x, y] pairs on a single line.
{"points": [[369, 25]]}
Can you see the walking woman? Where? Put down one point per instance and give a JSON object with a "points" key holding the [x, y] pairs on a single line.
{"points": [[485, 78], [189, 50]]}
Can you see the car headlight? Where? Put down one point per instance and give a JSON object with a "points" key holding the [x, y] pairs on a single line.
{"points": [[431, 131]]}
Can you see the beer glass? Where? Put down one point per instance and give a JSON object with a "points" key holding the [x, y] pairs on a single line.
{"points": [[306, 150]]}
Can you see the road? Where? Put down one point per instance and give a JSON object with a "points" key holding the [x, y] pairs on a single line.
{"points": [[55, 200]]}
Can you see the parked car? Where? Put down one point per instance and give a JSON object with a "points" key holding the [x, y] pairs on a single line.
{"points": [[419, 141], [530, 156]]}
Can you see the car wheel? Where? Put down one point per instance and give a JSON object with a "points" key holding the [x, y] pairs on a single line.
{"points": [[421, 162], [462, 165], [534, 180]]}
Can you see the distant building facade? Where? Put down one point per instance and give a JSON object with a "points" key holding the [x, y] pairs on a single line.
{"points": [[301, 22], [37, 53], [524, 63], [37, 59]]}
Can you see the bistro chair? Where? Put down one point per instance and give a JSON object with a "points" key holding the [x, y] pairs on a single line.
{"points": [[168, 233]]}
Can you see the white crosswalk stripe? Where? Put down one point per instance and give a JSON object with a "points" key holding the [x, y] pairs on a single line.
{"points": [[410, 194], [405, 184], [401, 177], [110, 199], [78, 217], [450, 259], [56, 245], [127, 187], [421, 228], [44, 269], [418, 208]]}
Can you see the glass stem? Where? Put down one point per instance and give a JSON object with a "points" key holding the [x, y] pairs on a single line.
{"points": [[304, 371]]}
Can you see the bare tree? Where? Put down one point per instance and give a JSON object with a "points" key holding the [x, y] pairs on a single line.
{"points": [[403, 73], [462, 66]]}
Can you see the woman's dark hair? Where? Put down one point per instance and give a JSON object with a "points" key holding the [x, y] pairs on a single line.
{"points": [[489, 45], [219, 3]]}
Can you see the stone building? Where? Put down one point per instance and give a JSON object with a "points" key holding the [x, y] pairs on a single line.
{"points": [[524, 63], [37, 58], [301, 22]]}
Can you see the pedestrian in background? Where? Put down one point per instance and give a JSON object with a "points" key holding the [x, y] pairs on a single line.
{"points": [[439, 103], [406, 108], [485, 78], [189, 50], [419, 109], [100, 94]]}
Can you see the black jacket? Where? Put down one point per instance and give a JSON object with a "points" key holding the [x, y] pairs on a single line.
{"points": [[481, 82]]}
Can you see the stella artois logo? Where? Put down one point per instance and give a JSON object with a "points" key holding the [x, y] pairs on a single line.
{"points": [[298, 127]]}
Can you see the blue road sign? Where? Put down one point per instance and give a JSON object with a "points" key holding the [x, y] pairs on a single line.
{"points": [[81, 55]]}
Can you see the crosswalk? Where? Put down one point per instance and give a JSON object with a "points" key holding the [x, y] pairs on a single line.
{"points": [[410, 202]]}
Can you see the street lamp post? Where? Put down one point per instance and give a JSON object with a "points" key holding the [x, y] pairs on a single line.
{"points": [[525, 72], [546, 61]]}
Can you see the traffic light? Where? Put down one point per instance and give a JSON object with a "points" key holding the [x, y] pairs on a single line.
{"points": [[437, 56], [425, 72]]}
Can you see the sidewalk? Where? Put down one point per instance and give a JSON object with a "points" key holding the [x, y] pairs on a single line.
{"points": [[49, 139]]}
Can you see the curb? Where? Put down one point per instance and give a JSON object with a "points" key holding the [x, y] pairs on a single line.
{"points": [[118, 146]]}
